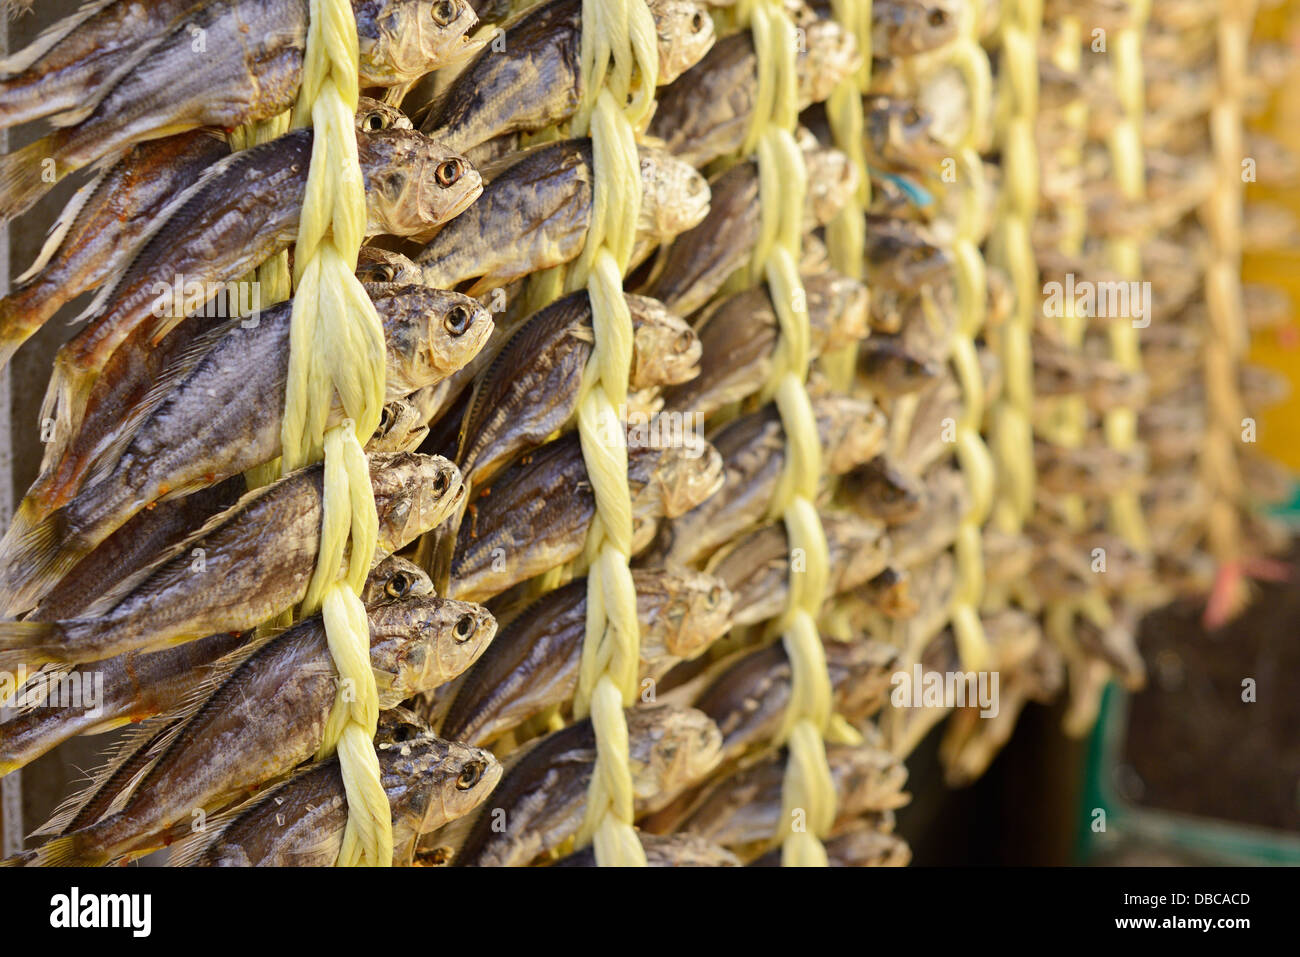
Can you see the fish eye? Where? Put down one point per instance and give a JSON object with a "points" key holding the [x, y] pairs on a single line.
{"points": [[398, 585], [444, 12], [449, 171], [441, 482], [697, 21], [464, 628], [684, 341], [938, 17], [458, 320], [715, 596], [374, 122], [403, 732], [470, 775]]}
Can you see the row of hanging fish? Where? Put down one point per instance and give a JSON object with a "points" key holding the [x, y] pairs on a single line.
{"points": [[140, 556], [139, 559]]}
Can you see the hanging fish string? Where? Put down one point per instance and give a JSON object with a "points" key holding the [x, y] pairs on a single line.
{"points": [[249, 591], [721, 292]]}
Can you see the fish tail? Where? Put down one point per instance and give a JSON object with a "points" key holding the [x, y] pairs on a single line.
{"points": [[34, 558], [71, 850], [27, 644], [28, 174], [20, 316], [61, 413]]}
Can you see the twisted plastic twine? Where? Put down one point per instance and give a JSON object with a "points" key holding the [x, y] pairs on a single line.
{"points": [[1068, 421], [337, 343], [1228, 336], [808, 793], [1125, 254], [618, 43], [1012, 432], [972, 301], [846, 233]]}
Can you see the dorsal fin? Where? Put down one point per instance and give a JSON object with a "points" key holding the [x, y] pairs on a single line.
{"points": [[176, 372], [48, 38]]}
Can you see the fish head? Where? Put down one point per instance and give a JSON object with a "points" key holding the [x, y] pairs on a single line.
{"points": [[685, 33], [830, 54], [403, 40], [401, 428], [429, 781], [413, 185], [666, 350], [868, 777], [426, 642], [858, 547], [860, 671], [687, 474], [376, 265], [851, 430], [674, 195], [684, 611], [670, 748], [431, 333], [376, 115], [903, 255], [900, 131], [840, 305], [904, 28], [413, 493], [832, 179], [458, 784], [395, 579]]}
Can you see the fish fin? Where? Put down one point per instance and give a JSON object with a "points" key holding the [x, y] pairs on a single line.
{"points": [[130, 744], [101, 90], [48, 38], [106, 460], [33, 692], [61, 852], [27, 644], [35, 557], [128, 584], [23, 178], [494, 168], [187, 851], [59, 231]]}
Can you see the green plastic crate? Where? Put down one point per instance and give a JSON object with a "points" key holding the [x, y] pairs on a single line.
{"points": [[1195, 839]]}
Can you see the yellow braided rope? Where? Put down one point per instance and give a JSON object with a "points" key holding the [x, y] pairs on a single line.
{"points": [[972, 292], [808, 793], [1012, 431], [1227, 337], [337, 343], [618, 46], [1125, 253], [1068, 414], [846, 233]]}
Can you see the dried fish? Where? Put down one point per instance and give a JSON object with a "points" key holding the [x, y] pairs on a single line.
{"points": [[245, 566], [429, 782], [251, 70], [533, 663], [269, 715], [218, 417]]}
